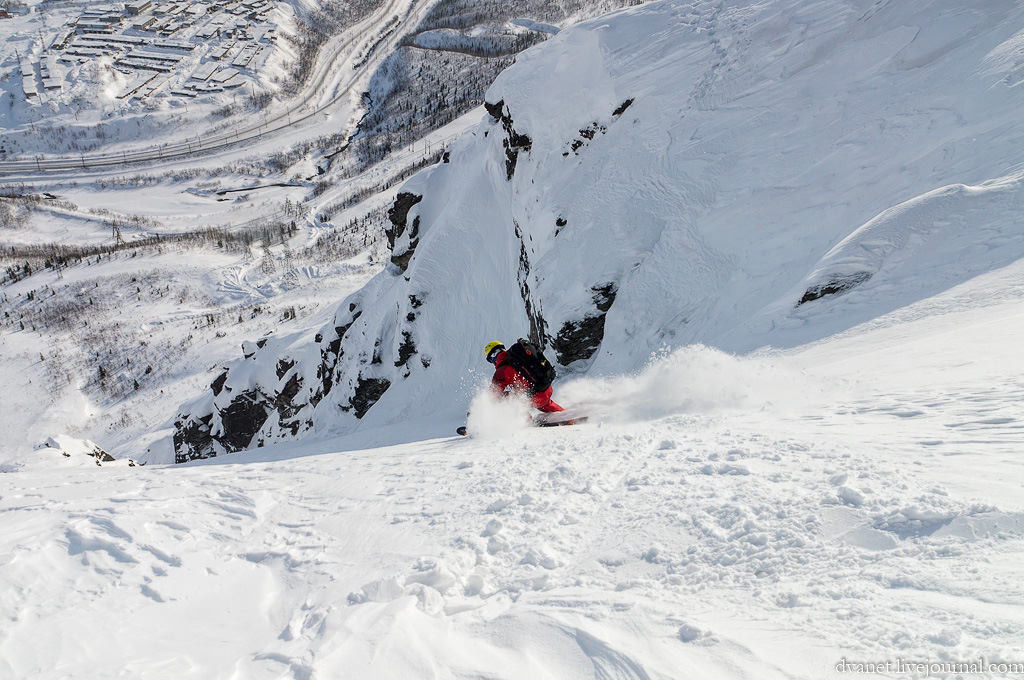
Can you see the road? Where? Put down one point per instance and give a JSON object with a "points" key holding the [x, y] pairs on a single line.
{"points": [[303, 109]]}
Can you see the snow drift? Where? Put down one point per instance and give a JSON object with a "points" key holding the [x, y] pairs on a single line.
{"points": [[721, 173]]}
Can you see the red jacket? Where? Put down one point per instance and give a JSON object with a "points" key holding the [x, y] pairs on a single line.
{"points": [[505, 377]]}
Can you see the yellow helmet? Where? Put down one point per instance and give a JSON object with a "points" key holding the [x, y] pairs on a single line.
{"points": [[491, 350]]}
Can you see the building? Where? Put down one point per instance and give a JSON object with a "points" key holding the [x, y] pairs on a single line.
{"points": [[63, 39], [95, 27], [139, 6]]}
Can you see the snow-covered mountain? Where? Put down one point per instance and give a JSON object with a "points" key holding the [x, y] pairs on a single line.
{"points": [[733, 174], [776, 249]]}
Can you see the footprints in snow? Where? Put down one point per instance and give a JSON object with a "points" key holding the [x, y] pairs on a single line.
{"points": [[535, 505], [689, 507], [124, 547]]}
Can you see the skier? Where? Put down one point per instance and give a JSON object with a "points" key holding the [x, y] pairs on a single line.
{"points": [[522, 370]]}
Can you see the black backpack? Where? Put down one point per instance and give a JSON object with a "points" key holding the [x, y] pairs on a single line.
{"points": [[526, 357]]}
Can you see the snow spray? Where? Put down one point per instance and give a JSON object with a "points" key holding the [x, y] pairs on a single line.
{"points": [[693, 379], [491, 417]]}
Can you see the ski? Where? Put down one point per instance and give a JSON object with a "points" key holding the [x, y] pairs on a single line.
{"points": [[560, 423], [537, 422]]}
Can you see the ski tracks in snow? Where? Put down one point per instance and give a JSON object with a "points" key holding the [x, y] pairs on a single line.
{"points": [[234, 558], [712, 532], [635, 550]]}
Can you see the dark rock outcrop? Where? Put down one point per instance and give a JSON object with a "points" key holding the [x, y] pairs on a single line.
{"points": [[287, 406], [242, 419], [267, 407], [192, 439], [100, 455], [834, 286], [538, 326], [218, 384], [496, 110], [331, 355], [283, 366], [406, 349], [579, 340], [514, 142], [368, 392], [588, 133], [402, 250]]}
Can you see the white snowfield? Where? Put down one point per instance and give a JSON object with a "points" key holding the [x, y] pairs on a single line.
{"points": [[804, 452], [767, 516]]}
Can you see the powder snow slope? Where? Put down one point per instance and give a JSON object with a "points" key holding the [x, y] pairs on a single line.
{"points": [[766, 516], [732, 174]]}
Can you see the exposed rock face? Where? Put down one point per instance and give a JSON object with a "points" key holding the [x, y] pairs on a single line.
{"points": [[283, 366], [623, 106], [275, 403], [218, 384], [242, 419], [578, 340], [331, 353], [406, 350], [588, 133], [403, 244], [237, 425], [834, 286], [286, 405], [538, 326], [368, 392], [192, 439], [514, 142], [496, 110], [278, 388], [101, 456]]}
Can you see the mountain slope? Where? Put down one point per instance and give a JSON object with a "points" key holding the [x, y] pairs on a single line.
{"points": [[767, 516], [731, 174]]}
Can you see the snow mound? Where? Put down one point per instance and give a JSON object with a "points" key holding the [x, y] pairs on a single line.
{"points": [[62, 451], [921, 247]]}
